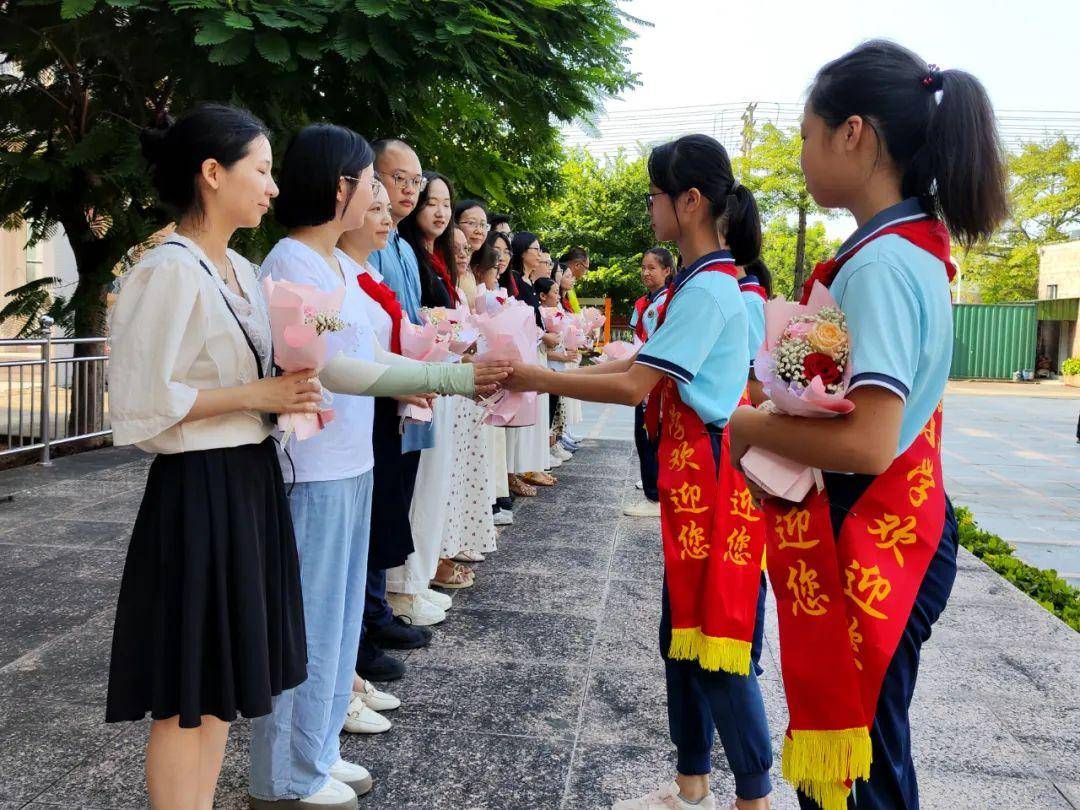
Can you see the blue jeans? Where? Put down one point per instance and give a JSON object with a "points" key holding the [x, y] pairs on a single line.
{"points": [[699, 701], [294, 747]]}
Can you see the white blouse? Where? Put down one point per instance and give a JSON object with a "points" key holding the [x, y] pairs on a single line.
{"points": [[172, 335]]}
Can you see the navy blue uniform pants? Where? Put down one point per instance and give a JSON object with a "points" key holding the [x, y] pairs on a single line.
{"points": [[646, 450]]}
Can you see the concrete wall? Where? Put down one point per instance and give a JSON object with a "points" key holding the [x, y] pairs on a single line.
{"points": [[17, 267], [1060, 264]]}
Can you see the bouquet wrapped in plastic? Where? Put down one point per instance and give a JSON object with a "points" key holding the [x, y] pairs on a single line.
{"points": [[804, 367], [454, 327], [591, 319], [307, 333], [488, 302], [619, 350], [509, 334], [421, 343]]}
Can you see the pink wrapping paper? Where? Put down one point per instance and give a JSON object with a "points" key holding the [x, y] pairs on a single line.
{"points": [[779, 476], [297, 345], [618, 350], [421, 343], [510, 334]]}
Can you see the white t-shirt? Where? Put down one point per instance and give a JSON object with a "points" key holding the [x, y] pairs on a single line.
{"points": [[343, 448], [380, 321]]}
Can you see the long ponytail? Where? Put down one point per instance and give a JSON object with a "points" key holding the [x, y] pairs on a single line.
{"points": [[937, 126]]}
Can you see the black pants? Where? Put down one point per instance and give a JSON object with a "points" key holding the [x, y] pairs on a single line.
{"points": [[646, 450], [892, 784]]}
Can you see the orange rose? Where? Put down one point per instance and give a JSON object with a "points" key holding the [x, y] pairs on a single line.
{"points": [[828, 338]]}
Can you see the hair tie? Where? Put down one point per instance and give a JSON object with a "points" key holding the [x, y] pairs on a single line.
{"points": [[932, 80], [734, 187]]}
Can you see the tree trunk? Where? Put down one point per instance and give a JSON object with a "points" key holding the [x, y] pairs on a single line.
{"points": [[86, 412], [800, 254]]}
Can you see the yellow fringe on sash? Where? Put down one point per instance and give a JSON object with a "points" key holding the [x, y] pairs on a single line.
{"points": [[819, 763], [711, 652]]}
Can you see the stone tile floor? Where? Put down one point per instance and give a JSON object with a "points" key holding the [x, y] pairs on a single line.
{"points": [[542, 690]]}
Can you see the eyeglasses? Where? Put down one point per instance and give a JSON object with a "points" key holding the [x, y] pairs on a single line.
{"points": [[374, 183], [649, 199], [475, 225], [534, 247], [501, 254], [403, 182], [463, 250]]}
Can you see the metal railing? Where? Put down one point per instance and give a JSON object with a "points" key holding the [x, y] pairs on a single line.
{"points": [[52, 399]]}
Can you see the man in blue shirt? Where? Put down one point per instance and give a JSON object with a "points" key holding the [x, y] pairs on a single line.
{"points": [[398, 167]]}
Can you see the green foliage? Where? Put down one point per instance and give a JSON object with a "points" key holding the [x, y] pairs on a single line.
{"points": [[778, 250], [33, 300], [477, 86], [1071, 366], [1045, 587], [1044, 189], [600, 205]]}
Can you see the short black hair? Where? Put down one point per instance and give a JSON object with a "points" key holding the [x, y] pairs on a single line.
{"points": [[498, 219], [575, 254], [465, 205], [316, 159], [177, 151]]}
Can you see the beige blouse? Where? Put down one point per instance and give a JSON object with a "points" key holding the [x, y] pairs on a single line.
{"points": [[172, 335]]}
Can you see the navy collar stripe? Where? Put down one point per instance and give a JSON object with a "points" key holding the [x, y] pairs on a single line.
{"points": [[909, 210], [716, 257]]}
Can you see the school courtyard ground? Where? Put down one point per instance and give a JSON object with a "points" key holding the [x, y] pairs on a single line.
{"points": [[543, 689]]}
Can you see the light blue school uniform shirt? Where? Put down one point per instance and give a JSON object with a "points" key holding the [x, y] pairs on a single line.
{"points": [[755, 317], [401, 272], [896, 299], [702, 343], [652, 311]]}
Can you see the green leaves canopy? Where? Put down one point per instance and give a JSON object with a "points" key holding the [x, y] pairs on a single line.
{"points": [[477, 86]]}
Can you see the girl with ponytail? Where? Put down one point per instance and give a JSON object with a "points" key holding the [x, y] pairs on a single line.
{"points": [[862, 569], [693, 369]]}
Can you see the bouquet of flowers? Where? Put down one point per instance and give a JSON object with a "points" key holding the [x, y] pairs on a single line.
{"points": [[421, 343], [307, 331], [510, 334], [591, 318], [804, 367], [453, 327], [619, 350]]}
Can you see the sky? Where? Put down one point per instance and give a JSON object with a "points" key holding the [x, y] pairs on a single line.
{"points": [[713, 51], [706, 52]]}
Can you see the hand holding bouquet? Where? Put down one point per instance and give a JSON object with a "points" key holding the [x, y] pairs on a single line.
{"points": [[804, 367], [510, 334], [307, 332], [619, 350]]}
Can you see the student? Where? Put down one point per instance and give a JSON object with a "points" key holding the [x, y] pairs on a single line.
{"points": [[209, 622], [755, 284], [657, 265], [912, 152], [547, 290], [327, 185], [694, 369]]}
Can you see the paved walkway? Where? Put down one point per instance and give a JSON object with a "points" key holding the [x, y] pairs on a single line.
{"points": [[542, 690]]}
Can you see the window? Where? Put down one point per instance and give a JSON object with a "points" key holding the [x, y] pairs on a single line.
{"points": [[1051, 291], [35, 262]]}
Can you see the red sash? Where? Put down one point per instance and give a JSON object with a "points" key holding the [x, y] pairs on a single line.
{"points": [[843, 602], [386, 298], [713, 536]]}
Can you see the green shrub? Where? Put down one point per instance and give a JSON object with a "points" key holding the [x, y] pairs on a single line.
{"points": [[1071, 366], [1045, 587]]}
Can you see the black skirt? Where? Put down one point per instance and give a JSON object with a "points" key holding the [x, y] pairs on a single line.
{"points": [[210, 619], [394, 478]]}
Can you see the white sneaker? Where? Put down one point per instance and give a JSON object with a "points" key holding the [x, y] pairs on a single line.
{"points": [[376, 699], [639, 485], [643, 509], [361, 719], [665, 798], [438, 599], [560, 453], [416, 609], [555, 461], [573, 437], [354, 776], [504, 517]]}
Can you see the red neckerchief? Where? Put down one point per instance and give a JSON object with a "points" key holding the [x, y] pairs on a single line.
{"points": [[438, 264], [386, 298], [652, 408], [929, 234], [640, 306]]}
